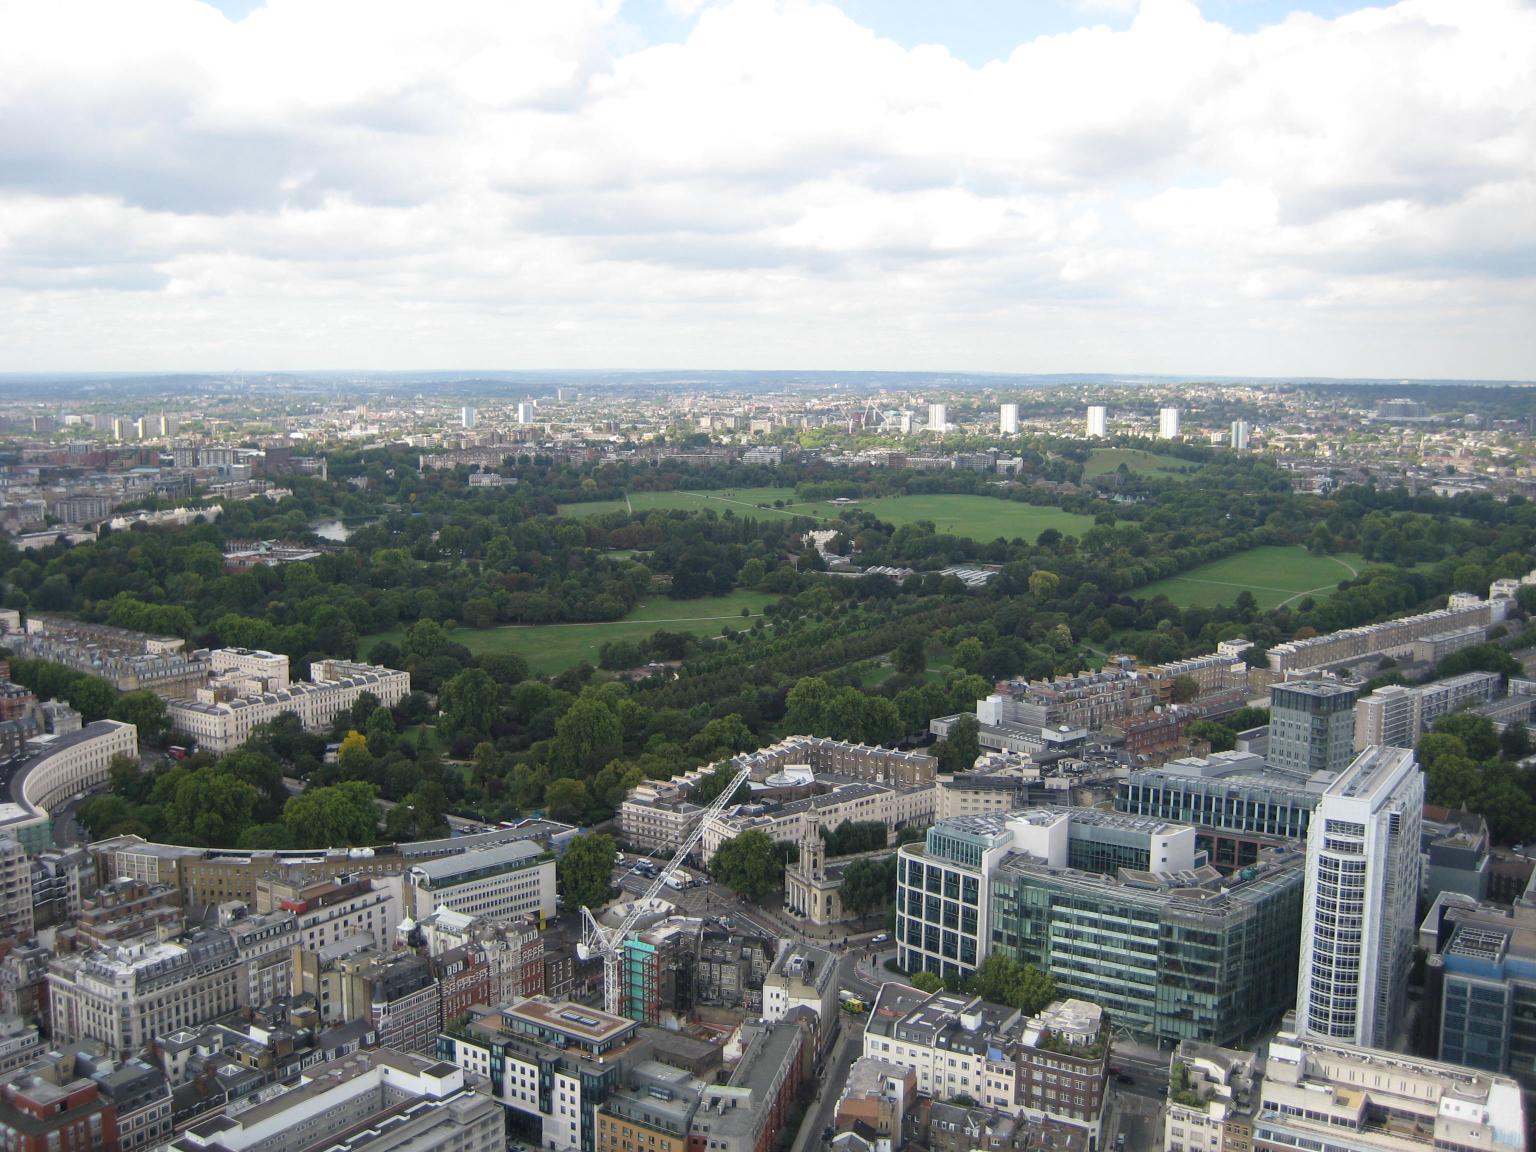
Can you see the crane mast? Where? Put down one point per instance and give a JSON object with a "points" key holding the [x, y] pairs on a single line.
{"points": [[608, 943]]}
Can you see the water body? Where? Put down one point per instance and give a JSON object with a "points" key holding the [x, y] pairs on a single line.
{"points": [[339, 530]]}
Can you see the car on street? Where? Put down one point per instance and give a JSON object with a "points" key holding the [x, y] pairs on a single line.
{"points": [[1122, 1078], [883, 938]]}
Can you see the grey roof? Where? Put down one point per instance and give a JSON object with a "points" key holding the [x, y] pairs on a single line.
{"points": [[448, 867]]}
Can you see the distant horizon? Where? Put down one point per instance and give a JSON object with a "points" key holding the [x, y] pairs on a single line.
{"points": [[809, 375]]}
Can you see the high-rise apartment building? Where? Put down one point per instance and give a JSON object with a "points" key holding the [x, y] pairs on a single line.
{"points": [[469, 417], [1358, 922], [1311, 726], [1008, 419], [938, 417], [1167, 423], [525, 411], [1240, 434], [1098, 421]]}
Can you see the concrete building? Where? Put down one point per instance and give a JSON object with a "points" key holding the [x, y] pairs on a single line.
{"points": [[503, 883], [948, 1040], [68, 764], [1311, 726], [1362, 866], [129, 660], [1482, 985], [550, 1064], [876, 1099], [1008, 419], [16, 904], [125, 997], [1389, 638], [801, 780], [1098, 422], [468, 418], [1119, 910], [1061, 1065], [938, 418], [1237, 803], [1321, 1094], [1397, 715], [1212, 1097], [1167, 423], [373, 1100], [220, 721], [803, 976]]}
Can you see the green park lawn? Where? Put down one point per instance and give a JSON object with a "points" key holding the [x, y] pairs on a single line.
{"points": [[1273, 573], [552, 648], [981, 518], [1104, 460]]}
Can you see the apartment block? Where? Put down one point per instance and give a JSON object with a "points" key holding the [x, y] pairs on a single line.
{"points": [[219, 721], [129, 660], [369, 1100], [16, 903], [1212, 1097], [550, 1064], [125, 997], [1392, 638], [1311, 726], [1397, 716], [798, 781], [1320, 1094], [1061, 1065]]}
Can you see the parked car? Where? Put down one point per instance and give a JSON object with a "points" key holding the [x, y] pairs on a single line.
{"points": [[883, 938]]}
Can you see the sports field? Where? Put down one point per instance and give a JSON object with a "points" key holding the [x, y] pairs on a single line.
{"points": [[981, 518], [1106, 460], [1274, 574], [551, 648]]}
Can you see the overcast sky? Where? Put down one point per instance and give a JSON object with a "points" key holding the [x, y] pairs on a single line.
{"points": [[1239, 186]]}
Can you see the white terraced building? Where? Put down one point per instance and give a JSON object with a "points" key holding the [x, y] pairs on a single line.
{"points": [[221, 725]]}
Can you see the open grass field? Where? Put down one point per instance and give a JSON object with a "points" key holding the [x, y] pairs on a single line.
{"points": [[1272, 573], [1147, 463], [982, 518], [551, 648]]}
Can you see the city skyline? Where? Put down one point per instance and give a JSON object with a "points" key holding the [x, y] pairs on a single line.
{"points": [[1089, 187]]}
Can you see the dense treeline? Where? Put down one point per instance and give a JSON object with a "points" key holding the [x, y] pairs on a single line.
{"points": [[438, 553]]}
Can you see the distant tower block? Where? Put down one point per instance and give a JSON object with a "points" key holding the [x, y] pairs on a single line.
{"points": [[938, 417], [1168, 423], [1098, 422], [525, 412], [1240, 432], [468, 417], [1008, 419]]}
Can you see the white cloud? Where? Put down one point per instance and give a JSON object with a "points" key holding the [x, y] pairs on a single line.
{"points": [[380, 183]]}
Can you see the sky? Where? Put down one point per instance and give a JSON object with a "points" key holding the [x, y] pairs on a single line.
{"points": [[1241, 187]]}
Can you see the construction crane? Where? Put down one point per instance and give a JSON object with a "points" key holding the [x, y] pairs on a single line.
{"points": [[609, 942]]}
